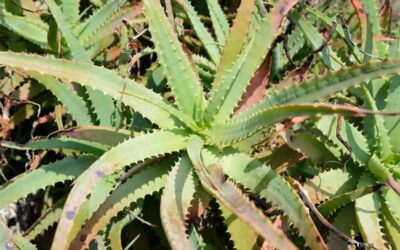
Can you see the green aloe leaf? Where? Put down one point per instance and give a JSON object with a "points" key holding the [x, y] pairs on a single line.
{"points": [[32, 29], [238, 129], [103, 105], [70, 9], [146, 182], [367, 214], [59, 143], [392, 123], [129, 152], [74, 104], [202, 33], [261, 179], [175, 202], [318, 88], [148, 103], [219, 21], [48, 219], [212, 179], [40, 178], [182, 77]]}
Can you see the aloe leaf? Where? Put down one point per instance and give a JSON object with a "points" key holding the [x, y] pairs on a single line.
{"points": [[94, 24], [40, 178], [234, 83], [204, 63], [146, 146], [238, 129], [373, 30], [339, 29], [391, 227], [74, 104], [315, 38], [175, 202], [395, 46], [357, 141], [104, 135], [382, 140], [330, 184], [261, 179], [10, 240], [103, 105], [220, 106], [202, 33], [219, 21], [145, 182], [77, 51], [318, 88], [148, 103], [330, 206], [59, 143], [182, 78], [234, 42], [242, 234], [48, 219], [33, 30], [312, 148], [392, 123], [116, 21], [228, 194], [117, 227], [367, 211], [344, 221], [392, 201], [70, 9]]}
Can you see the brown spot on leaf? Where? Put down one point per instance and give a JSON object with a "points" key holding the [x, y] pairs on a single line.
{"points": [[83, 237], [318, 239], [361, 10]]}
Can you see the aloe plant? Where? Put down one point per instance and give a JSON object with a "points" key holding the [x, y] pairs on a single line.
{"points": [[198, 148]]}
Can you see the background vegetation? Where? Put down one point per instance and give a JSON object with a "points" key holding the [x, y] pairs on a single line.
{"points": [[199, 124]]}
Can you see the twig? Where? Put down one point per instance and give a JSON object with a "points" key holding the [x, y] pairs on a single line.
{"points": [[393, 184], [339, 137], [350, 40], [304, 196]]}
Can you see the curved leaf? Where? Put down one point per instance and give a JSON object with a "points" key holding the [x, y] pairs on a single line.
{"points": [[48, 219], [129, 152], [234, 42], [61, 143], [181, 76], [212, 179], [32, 29], [202, 33], [367, 214], [148, 103], [48, 175], [262, 180], [219, 21], [357, 141], [74, 104], [392, 124], [175, 202], [318, 88], [238, 129], [104, 135], [146, 182]]}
